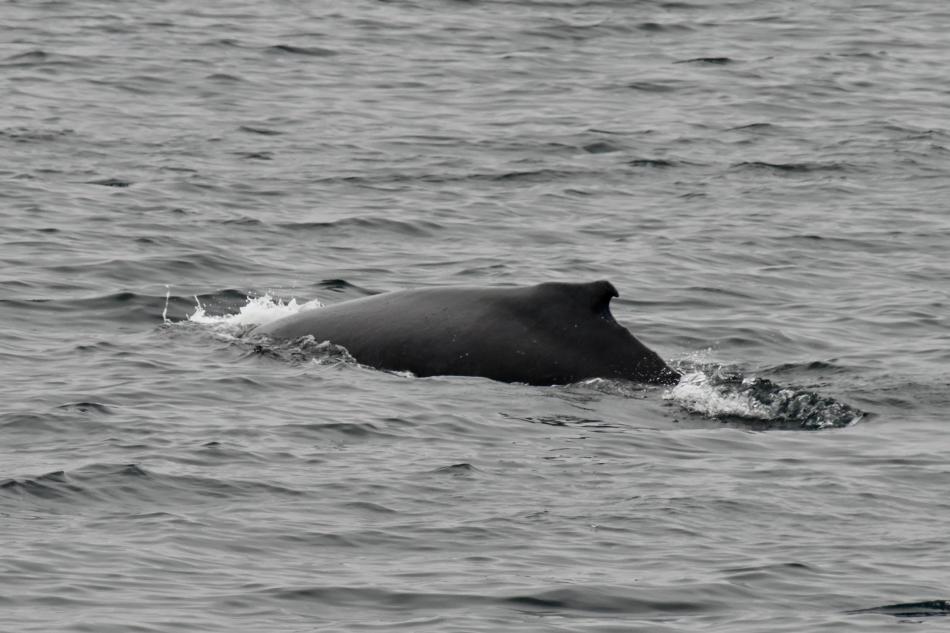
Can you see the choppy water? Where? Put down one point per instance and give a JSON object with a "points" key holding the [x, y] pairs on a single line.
{"points": [[766, 183]]}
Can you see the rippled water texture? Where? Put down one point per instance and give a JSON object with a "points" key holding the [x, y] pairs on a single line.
{"points": [[765, 183]]}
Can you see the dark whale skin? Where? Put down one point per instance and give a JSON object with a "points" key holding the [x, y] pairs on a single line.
{"points": [[550, 334]]}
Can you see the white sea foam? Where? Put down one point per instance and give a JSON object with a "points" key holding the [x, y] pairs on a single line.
{"points": [[709, 393], [257, 311], [697, 393]]}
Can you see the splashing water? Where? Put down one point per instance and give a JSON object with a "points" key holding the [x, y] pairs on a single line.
{"points": [[168, 296], [698, 393], [759, 401], [257, 311], [264, 309]]}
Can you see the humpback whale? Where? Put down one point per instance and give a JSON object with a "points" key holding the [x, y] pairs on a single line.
{"points": [[549, 334]]}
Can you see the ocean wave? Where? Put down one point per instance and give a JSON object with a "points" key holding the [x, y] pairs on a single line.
{"points": [[922, 609], [576, 599], [132, 484]]}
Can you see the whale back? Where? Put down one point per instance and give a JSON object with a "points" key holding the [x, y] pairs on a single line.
{"points": [[551, 333]]}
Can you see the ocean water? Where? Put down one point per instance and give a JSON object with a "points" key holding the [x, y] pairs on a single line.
{"points": [[766, 183]]}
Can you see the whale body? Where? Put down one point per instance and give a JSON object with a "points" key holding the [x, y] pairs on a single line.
{"points": [[549, 334]]}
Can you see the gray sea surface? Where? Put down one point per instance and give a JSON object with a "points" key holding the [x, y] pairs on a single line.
{"points": [[766, 183]]}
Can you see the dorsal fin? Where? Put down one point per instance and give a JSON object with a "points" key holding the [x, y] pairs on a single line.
{"points": [[593, 295], [600, 294]]}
